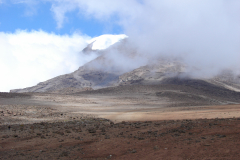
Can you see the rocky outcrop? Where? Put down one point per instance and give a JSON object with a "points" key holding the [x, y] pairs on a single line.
{"points": [[154, 73]]}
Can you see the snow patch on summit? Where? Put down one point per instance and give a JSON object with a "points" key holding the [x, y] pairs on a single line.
{"points": [[105, 41]]}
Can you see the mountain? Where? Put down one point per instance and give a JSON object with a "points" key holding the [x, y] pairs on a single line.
{"points": [[105, 41], [91, 75], [118, 64]]}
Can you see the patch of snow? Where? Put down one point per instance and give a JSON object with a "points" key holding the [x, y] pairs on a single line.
{"points": [[105, 41]]}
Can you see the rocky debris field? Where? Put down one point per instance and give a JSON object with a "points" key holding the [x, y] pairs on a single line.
{"points": [[22, 114], [97, 138], [14, 95]]}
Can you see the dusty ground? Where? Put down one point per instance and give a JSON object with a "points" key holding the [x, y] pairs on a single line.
{"points": [[172, 121], [101, 139]]}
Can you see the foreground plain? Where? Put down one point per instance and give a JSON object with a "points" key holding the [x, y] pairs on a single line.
{"points": [[184, 120]]}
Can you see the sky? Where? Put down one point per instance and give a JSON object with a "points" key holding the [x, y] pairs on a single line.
{"points": [[40, 15], [35, 46], [41, 39]]}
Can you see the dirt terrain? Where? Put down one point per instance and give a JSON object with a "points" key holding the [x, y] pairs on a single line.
{"points": [[102, 139], [179, 119]]}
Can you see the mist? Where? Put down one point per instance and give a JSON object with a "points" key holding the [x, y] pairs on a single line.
{"points": [[28, 58], [204, 34]]}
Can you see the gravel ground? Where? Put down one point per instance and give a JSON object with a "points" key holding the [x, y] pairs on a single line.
{"points": [[102, 139]]}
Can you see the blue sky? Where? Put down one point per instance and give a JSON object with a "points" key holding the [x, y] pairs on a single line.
{"points": [[21, 16]]}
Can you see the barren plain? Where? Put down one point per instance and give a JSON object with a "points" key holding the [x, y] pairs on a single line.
{"points": [[177, 120]]}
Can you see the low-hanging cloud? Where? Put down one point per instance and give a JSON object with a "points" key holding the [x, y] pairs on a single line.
{"points": [[28, 58], [204, 33]]}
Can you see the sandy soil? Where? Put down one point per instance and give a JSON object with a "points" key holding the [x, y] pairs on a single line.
{"points": [[52, 107], [127, 122]]}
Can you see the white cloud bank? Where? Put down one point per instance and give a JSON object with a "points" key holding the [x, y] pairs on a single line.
{"points": [[204, 33], [27, 58]]}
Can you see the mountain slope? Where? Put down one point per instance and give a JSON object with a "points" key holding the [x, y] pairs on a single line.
{"points": [[92, 75], [119, 64]]}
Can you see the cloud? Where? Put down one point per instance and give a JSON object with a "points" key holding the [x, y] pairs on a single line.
{"points": [[27, 58], [59, 12], [102, 10], [204, 33]]}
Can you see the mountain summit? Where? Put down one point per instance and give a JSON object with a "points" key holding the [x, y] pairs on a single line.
{"points": [[105, 41]]}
